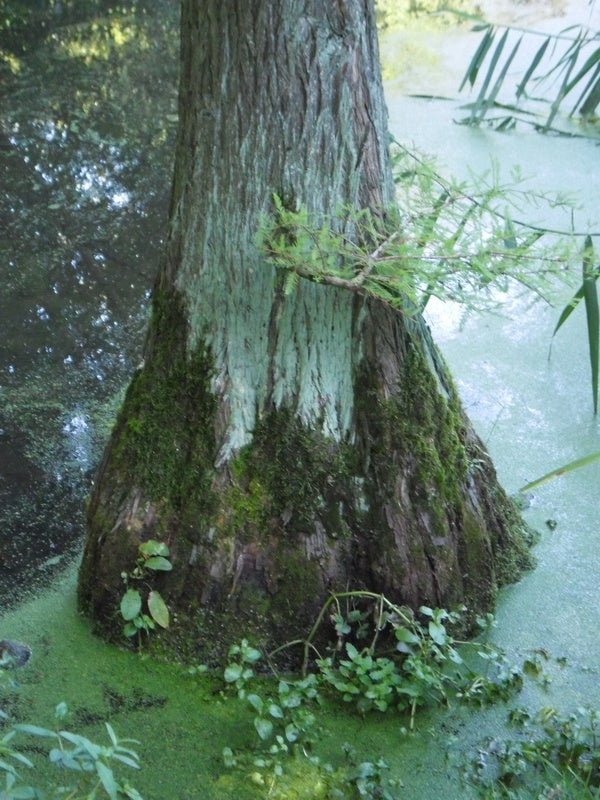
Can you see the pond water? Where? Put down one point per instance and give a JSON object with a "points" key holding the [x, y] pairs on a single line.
{"points": [[86, 137], [533, 412]]}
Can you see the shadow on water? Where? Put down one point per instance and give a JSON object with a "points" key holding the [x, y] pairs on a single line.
{"points": [[87, 123]]}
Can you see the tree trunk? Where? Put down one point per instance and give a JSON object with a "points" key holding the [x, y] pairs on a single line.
{"points": [[286, 446]]}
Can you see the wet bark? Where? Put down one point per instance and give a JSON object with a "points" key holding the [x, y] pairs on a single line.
{"points": [[286, 446]]}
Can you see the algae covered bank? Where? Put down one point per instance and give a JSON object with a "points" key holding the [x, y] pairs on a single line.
{"points": [[286, 445]]}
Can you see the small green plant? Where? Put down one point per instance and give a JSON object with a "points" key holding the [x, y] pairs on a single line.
{"points": [[90, 765], [411, 660], [363, 780], [556, 755], [283, 720], [286, 727], [152, 557]]}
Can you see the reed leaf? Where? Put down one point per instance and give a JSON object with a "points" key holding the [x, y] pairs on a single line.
{"points": [[477, 60], [480, 104], [500, 79], [590, 62], [562, 91], [532, 67], [590, 97], [556, 473], [592, 314]]}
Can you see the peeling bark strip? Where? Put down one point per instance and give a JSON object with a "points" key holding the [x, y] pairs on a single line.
{"points": [[286, 446]]}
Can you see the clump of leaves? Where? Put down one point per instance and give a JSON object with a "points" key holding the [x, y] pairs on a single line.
{"points": [[422, 664], [283, 720], [86, 768], [152, 557], [286, 727], [558, 755], [445, 239], [566, 63]]}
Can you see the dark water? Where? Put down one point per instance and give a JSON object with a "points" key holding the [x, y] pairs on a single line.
{"points": [[87, 124]]}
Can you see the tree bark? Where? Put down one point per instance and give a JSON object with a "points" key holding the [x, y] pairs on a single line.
{"points": [[286, 446]]}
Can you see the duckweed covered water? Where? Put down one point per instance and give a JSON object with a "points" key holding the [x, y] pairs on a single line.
{"points": [[85, 202]]}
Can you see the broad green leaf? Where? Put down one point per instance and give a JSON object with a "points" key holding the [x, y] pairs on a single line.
{"points": [[233, 672], [158, 563], [291, 732], [107, 779], [158, 609], [129, 629], [437, 632], [153, 548], [256, 702], [351, 650], [406, 636], [23, 793], [275, 711], [264, 728], [131, 604]]}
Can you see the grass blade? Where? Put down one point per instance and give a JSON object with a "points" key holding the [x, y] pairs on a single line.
{"points": [[591, 95], [568, 309], [532, 67], [477, 60], [592, 314], [556, 473], [500, 80], [480, 105], [591, 61]]}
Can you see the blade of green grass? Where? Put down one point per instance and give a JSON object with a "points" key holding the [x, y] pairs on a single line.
{"points": [[556, 473], [590, 97], [590, 297], [531, 69], [477, 60], [500, 79], [480, 104], [568, 310]]}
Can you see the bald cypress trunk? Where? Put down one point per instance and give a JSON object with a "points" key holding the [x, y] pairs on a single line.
{"points": [[286, 446]]}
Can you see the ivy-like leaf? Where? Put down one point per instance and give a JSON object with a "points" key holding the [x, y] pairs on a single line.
{"points": [[158, 609], [264, 728], [131, 604], [153, 548], [158, 563]]}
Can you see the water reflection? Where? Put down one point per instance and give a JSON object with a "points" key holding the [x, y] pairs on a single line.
{"points": [[86, 141]]}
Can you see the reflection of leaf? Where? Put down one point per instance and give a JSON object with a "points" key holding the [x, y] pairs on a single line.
{"points": [[158, 609]]}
